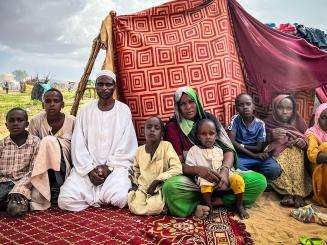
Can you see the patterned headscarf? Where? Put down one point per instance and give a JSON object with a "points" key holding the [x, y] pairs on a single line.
{"points": [[185, 124], [320, 134], [188, 127]]}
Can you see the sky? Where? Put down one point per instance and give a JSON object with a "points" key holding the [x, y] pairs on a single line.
{"points": [[55, 36]]}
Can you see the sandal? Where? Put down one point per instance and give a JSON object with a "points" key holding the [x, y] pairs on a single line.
{"points": [[305, 240]]}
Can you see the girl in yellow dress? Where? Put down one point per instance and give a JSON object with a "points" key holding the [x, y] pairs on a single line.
{"points": [[317, 154]]}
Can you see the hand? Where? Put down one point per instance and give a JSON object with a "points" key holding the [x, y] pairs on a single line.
{"points": [[262, 156], [18, 198], [95, 178], [133, 188], [208, 174], [224, 179], [103, 171], [300, 143], [153, 186], [130, 174], [278, 133]]}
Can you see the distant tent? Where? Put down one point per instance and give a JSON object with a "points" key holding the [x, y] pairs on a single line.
{"points": [[38, 90]]}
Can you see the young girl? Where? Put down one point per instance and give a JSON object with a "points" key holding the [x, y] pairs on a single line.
{"points": [[287, 143], [208, 155], [317, 154], [155, 162]]}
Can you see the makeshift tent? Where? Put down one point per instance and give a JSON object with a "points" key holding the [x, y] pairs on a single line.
{"points": [[39, 89], [213, 46]]}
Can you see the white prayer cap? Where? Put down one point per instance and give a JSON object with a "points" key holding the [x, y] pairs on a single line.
{"points": [[106, 73]]}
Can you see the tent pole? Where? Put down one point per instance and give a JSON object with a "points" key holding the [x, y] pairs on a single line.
{"points": [[105, 41], [87, 71]]}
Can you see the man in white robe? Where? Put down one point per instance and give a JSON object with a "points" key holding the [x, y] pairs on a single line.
{"points": [[103, 148]]}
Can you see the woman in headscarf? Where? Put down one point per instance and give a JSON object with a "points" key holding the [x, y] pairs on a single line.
{"points": [[182, 194], [287, 144], [317, 154]]}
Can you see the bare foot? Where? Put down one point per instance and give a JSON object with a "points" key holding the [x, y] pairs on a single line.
{"points": [[298, 202], [202, 212], [242, 212], [216, 202], [287, 201]]}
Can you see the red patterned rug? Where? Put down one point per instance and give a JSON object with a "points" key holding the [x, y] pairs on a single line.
{"points": [[113, 226]]}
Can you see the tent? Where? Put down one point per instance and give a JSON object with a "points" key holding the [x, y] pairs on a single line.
{"points": [[214, 46]]}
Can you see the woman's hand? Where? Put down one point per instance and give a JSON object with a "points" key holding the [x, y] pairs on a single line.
{"points": [[278, 133], [208, 174]]}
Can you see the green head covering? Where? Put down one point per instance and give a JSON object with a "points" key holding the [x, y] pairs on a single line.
{"points": [[185, 124], [188, 126]]}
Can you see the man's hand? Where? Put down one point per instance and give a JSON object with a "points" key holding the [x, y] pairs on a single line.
{"points": [[208, 174], [153, 186], [95, 178], [103, 171]]}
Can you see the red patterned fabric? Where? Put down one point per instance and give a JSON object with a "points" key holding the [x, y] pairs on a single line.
{"points": [[276, 62], [183, 42], [114, 226]]}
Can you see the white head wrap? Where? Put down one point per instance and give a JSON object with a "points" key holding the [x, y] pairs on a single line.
{"points": [[106, 73]]}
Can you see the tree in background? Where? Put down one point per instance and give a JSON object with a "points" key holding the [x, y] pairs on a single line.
{"points": [[20, 75]]}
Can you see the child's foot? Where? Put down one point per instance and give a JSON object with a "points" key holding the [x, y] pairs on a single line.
{"points": [[298, 202], [287, 201], [242, 212], [216, 202], [202, 212]]}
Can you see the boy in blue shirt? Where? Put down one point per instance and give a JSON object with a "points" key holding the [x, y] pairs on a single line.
{"points": [[248, 135]]}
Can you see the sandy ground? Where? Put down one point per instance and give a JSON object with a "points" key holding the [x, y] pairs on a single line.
{"points": [[269, 223]]}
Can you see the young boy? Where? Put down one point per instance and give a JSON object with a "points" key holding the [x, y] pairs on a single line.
{"points": [[248, 136], [155, 162], [17, 154], [206, 154], [53, 162]]}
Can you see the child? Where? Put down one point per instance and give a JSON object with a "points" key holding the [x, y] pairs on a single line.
{"points": [[317, 154], [17, 153], [287, 144], [155, 162], [53, 163], [210, 156], [248, 135]]}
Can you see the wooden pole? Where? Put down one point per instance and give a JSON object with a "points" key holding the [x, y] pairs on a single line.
{"points": [[105, 41], [87, 71]]}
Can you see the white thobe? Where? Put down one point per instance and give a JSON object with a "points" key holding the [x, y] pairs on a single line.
{"points": [[100, 137]]}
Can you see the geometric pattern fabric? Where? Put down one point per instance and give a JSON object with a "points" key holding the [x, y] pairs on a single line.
{"points": [[180, 43], [109, 225]]}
